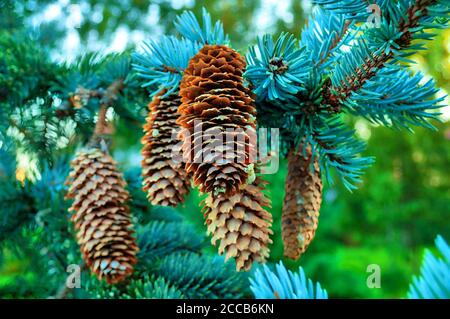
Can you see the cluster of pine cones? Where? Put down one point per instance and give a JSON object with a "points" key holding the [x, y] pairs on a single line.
{"points": [[217, 115], [216, 150]]}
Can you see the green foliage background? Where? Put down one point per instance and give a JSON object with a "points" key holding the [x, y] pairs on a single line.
{"points": [[402, 204]]}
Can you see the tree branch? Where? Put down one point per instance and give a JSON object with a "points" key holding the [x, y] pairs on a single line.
{"points": [[336, 41], [81, 97], [108, 97], [334, 96]]}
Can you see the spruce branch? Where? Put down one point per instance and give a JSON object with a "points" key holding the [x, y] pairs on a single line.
{"points": [[324, 34], [277, 69], [398, 98], [281, 283], [355, 9], [414, 13], [162, 62], [144, 286], [338, 37], [336, 147], [158, 239], [82, 95], [205, 33], [434, 274], [107, 98], [336, 95], [101, 127], [200, 276]]}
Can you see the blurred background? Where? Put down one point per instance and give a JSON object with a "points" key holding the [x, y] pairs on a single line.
{"points": [[398, 210]]}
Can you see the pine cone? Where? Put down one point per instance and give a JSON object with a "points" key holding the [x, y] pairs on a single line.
{"points": [[165, 181], [101, 216], [220, 117], [241, 224], [301, 203]]}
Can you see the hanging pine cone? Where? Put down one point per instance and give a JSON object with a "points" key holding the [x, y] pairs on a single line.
{"points": [[301, 203], [165, 180], [101, 216], [219, 115], [241, 224]]}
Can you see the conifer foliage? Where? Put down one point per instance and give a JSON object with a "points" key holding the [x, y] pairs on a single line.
{"points": [[65, 107], [301, 86], [304, 86], [433, 282], [282, 283]]}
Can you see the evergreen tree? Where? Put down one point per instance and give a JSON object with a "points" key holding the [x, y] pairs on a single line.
{"points": [[340, 65]]}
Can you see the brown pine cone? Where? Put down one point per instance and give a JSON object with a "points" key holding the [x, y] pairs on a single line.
{"points": [[301, 203], [241, 224], [164, 179], [219, 115], [102, 218]]}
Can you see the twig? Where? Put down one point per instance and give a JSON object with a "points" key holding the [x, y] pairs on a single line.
{"points": [[101, 125], [334, 96], [81, 97], [338, 38], [107, 98]]}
